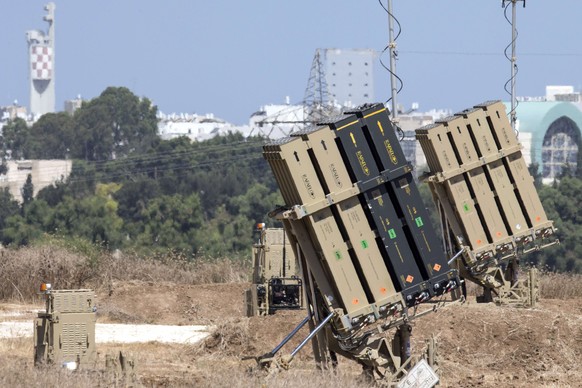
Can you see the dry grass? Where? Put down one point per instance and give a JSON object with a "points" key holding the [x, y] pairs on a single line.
{"points": [[560, 285], [552, 286], [23, 270], [231, 337], [66, 267]]}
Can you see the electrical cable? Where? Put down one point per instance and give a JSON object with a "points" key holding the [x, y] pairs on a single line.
{"points": [[395, 52], [185, 166], [486, 54], [398, 129], [217, 151]]}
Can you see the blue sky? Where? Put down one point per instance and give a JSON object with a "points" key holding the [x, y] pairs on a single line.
{"points": [[231, 57]]}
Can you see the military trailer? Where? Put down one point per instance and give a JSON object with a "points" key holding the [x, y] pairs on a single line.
{"points": [[276, 283]]}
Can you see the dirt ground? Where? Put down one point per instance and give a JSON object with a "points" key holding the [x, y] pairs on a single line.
{"points": [[479, 345]]}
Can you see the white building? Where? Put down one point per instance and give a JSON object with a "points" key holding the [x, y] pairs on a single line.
{"points": [[194, 127], [349, 74], [43, 172], [276, 121]]}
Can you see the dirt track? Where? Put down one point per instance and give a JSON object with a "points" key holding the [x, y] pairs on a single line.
{"points": [[479, 344]]}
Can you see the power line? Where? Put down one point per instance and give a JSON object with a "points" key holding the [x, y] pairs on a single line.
{"points": [[482, 53], [168, 160]]}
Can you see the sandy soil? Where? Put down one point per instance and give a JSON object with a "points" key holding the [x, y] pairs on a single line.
{"points": [[479, 344]]}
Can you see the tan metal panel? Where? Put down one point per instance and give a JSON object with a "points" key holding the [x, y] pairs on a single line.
{"points": [[73, 301], [501, 127], [276, 247], [476, 122], [458, 224], [499, 123], [364, 244], [486, 201], [352, 214], [303, 247], [462, 140], [477, 178], [294, 166], [437, 147], [527, 191], [333, 252], [282, 171], [507, 198], [464, 206], [334, 172]]}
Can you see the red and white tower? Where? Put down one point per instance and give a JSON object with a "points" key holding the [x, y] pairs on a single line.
{"points": [[41, 51]]}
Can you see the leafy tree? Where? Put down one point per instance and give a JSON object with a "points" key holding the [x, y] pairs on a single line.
{"points": [[19, 232], [114, 125], [534, 170], [8, 207], [563, 204], [133, 198], [93, 218], [255, 204], [28, 225], [27, 191], [54, 194], [51, 137], [14, 137], [171, 222]]}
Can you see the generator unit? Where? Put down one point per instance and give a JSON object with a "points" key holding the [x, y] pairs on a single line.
{"points": [[64, 334], [276, 283]]}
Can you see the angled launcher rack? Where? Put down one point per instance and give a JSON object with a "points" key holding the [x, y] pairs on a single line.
{"points": [[490, 211], [356, 221]]}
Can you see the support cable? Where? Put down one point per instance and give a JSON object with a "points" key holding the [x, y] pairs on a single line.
{"points": [[392, 69]]}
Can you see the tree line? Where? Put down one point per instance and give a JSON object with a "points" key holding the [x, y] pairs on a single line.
{"points": [[129, 189]]}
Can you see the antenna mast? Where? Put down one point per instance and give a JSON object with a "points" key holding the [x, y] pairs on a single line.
{"points": [[393, 54], [513, 59]]}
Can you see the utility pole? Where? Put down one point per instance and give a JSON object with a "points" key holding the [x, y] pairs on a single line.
{"points": [[392, 48], [513, 59]]}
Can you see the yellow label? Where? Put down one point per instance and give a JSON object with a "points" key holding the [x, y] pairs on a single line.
{"points": [[363, 163], [390, 151]]}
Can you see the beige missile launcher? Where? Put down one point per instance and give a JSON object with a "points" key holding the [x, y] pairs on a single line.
{"points": [[65, 333], [362, 237], [277, 283], [490, 211]]}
